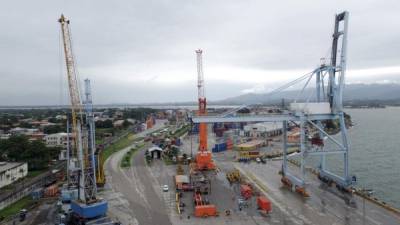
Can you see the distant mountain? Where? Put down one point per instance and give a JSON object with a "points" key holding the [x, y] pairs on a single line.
{"points": [[352, 92]]}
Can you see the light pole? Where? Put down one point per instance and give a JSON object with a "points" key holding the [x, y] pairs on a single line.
{"points": [[367, 192]]}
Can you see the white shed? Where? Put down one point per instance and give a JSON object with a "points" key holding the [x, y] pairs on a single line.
{"points": [[155, 150]]}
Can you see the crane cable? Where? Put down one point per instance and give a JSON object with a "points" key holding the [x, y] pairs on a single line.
{"points": [[275, 91]]}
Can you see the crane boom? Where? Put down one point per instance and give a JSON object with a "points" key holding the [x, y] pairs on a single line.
{"points": [[202, 101], [203, 158], [87, 186], [200, 75], [76, 105]]}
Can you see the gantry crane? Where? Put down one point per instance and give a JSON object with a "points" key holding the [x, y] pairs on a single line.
{"points": [[204, 157], [96, 162], [312, 116], [87, 205]]}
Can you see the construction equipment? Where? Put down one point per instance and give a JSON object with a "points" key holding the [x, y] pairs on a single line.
{"points": [[87, 206], [202, 207], [326, 105], [204, 157], [233, 176], [246, 191], [264, 205]]}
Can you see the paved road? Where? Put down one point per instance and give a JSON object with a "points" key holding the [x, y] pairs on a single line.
{"points": [[323, 206], [132, 198]]}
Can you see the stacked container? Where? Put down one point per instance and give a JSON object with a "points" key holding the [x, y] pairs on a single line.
{"points": [[195, 129], [219, 147], [51, 191], [37, 194], [178, 142], [229, 144]]}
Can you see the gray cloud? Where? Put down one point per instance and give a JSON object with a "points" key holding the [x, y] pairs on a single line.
{"points": [[143, 51]]}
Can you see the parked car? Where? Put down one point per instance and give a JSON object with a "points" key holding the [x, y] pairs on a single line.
{"points": [[165, 188]]}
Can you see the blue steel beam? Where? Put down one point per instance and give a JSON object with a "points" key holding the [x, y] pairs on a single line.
{"points": [[263, 118]]}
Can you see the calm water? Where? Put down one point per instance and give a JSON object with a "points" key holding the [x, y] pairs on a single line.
{"points": [[375, 152]]}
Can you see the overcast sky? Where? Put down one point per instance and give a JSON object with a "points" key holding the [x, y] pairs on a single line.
{"points": [[143, 51]]}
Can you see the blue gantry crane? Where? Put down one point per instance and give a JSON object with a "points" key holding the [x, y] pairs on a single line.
{"points": [[325, 103], [91, 131], [87, 205]]}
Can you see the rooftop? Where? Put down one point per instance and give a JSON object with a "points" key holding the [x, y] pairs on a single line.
{"points": [[4, 166]]}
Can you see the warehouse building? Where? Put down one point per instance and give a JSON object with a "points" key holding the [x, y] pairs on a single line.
{"points": [[57, 140], [11, 172], [262, 129]]}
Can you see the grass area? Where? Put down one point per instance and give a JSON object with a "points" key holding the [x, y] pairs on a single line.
{"points": [[127, 159], [35, 173], [181, 131], [101, 131], [168, 161], [99, 141], [14, 208], [120, 144]]}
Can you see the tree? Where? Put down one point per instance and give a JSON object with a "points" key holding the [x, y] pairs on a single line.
{"points": [[52, 120], [126, 123], [104, 124], [54, 129], [25, 125], [18, 148]]}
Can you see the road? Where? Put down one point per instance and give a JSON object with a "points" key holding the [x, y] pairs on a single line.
{"points": [[131, 192], [324, 205]]}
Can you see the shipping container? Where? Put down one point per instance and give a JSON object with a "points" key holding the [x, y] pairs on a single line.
{"points": [[51, 191], [37, 194]]}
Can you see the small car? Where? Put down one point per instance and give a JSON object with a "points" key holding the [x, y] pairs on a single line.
{"points": [[165, 188]]}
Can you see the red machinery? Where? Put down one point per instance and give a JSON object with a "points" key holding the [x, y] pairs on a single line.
{"points": [[246, 191], [203, 158], [264, 205], [203, 209]]}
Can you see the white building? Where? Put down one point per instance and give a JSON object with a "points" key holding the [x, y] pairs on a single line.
{"points": [[267, 129], [11, 172], [23, 131], [57, 140], [118, 123]]}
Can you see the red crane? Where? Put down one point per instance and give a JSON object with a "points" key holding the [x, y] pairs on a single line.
{"points": [[203, 158]]}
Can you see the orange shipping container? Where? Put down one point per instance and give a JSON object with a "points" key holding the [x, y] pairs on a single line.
{"points": [[205, 210], [149, 124], [51, 191]]}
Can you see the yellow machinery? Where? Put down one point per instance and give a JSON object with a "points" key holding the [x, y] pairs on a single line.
{"points": [[233, 176]]}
